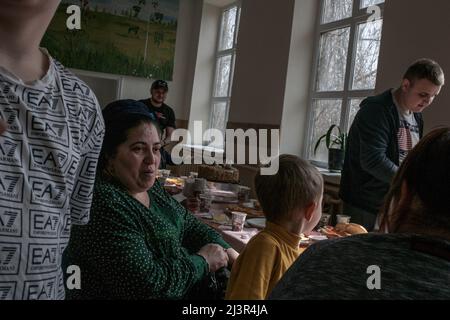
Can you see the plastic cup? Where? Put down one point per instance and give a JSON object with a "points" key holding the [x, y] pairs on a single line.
{"points": [[325, 219], [341, 218], [164, 173], [193, 175], [205, 202], [237, 221], [200, 185], [243, 193], [188, 190]]}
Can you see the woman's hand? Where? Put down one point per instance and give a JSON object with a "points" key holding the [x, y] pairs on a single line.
{"points": [[215, 255], [232, 256]]}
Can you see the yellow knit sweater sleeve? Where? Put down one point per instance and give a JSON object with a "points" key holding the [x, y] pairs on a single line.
{"points": [[252, 274]]}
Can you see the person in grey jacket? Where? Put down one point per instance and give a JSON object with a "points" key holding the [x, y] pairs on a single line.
{"points": [[385, 129], [412, 261]]}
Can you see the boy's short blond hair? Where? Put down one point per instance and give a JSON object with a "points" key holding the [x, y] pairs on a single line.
{"points": [[296, 184]]}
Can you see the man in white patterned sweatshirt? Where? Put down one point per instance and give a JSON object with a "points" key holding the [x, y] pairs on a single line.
{"points": [[51, 131]]}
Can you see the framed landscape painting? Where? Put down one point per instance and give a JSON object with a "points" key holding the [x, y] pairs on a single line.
{"points": [[126, 37]]}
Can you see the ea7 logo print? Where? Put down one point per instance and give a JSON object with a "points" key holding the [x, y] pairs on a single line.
{"points": [[88, 168], [47, 129], [76, 87], [39, 290], [79, 214], [44, 224], [8, 93], [60, 288], [7, 290], [62, 247], [75, 134], [98, 132], [11, 186], [11, 117], [48, 160], [83, 192], [72, 168], [10, 152], [47, 192], [65, 230], [83, 113], [10, 222], [9, 258], [43, 102], [42, 258]]}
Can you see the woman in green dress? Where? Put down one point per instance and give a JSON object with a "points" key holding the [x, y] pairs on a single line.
{"points": [[140, 243]]}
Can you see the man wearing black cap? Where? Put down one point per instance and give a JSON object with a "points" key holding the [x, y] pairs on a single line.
{"points": [[164, 115]]}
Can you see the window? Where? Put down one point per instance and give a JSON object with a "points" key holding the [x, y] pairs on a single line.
{"points": [[223, 78], [345, 67]]}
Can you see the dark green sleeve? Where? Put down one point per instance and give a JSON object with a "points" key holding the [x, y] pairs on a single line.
{"points": [[130, 266], [196, 234]]}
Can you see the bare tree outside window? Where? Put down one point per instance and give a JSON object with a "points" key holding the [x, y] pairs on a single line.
{"points": [[346, 65], [326, 113], [225, 57], [368, 3], [367, 52], [228, 28], [332, 60], [223, 73], [334, 10], [219, 116]]}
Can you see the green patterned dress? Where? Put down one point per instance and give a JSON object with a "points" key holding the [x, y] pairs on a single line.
{"points": [[128, 251]]}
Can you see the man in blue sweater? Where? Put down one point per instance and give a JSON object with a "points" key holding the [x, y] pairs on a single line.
{"points": [[385, 129]]}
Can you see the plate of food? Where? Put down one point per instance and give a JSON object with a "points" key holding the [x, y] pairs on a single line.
{"points": [[221, 218], [316, 237], [342, 230], [224, 196], [174, 182], [257, 222]]}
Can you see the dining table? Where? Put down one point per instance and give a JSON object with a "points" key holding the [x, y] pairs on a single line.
{"points": [[236, 239], [218, 217]]}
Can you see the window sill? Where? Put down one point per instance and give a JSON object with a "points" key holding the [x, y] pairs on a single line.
{"points": [[330, 177]]}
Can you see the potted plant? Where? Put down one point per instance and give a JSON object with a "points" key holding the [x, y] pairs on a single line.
{"points": [[335, 144]]}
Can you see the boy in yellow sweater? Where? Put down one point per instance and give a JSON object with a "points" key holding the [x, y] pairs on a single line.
{"points": [[292, 203]]}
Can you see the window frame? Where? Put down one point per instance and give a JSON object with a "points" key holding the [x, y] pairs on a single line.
{"points": [[218, 55], [359, 16]]}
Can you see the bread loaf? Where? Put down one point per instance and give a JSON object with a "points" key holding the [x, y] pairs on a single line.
{"points": [[351, 228]]}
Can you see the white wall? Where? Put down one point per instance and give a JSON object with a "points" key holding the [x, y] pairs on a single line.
{"points": [[261, 64], [107, 88], [296, 99], [273, 67], [414, 29], [205, 66], [186, 49]]}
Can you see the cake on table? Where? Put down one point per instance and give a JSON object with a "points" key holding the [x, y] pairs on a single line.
{"points": [[219, 173]]}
